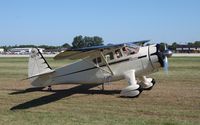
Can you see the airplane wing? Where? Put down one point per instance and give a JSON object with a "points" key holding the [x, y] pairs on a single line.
{"points": [[92, 51], [75, 54]]}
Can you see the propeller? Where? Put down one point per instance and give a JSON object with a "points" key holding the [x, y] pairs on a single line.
{"points": [[166, 65], [163, 56], [166, 54]]}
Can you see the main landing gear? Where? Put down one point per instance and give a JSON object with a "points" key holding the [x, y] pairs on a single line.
{"points": [[134, 89], [146, 83]]}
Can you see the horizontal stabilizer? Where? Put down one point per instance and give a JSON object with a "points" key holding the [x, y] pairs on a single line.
{"points": [[40, 74]]}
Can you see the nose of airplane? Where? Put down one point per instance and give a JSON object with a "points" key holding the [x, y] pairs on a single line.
{"points": [[163, 55]]}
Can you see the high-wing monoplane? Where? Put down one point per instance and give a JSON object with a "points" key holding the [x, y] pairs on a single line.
{"points": [[102, 64]]}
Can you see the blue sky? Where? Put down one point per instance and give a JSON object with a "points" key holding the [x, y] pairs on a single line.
{"points": [[55, 22]]}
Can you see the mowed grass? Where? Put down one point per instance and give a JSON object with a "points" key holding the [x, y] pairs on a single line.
{"points": [[174, 100]]}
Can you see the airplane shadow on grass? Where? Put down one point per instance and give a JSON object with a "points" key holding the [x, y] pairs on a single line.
{"points": [[57, 95]]}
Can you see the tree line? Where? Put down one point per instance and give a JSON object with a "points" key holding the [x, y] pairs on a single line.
{"points": [[78, 42], [87, 41], [174, 45]]}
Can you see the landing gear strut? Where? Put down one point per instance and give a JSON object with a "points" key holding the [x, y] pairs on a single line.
{"points": [[147, 83], [103, 87], [49, 88], [133, 90]]}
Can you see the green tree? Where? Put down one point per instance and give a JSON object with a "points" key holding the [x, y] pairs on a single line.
{"points": [[66, 45], [190, 44], [174, 45], [80, 41], [197, 43], [97, 41]]}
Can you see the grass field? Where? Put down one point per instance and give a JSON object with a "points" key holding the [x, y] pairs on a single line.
{"points": [[175, 99]]}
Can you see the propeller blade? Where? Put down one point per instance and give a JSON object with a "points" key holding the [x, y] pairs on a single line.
{"points": [[163, 55], [167, 53], [166, 65]]}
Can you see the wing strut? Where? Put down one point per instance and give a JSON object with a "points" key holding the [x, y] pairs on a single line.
{"points": [[106, 62]]}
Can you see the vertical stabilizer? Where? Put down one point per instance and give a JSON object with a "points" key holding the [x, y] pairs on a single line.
{"points": [[37, 63]]}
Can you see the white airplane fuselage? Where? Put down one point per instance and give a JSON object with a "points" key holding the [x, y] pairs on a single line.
{"points": [[85, 71]]}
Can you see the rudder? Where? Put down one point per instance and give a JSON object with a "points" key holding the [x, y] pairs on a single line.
{"points": [[37, 63]]}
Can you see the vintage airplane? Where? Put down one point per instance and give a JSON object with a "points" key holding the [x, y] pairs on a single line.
{"points": [[102, 64]]}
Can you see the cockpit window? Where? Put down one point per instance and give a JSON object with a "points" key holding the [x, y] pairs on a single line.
{"points": [[109, 56], [118, 53], [97, 60], [129, 50]]}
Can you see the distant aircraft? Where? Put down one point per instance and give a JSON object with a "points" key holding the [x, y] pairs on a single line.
{"points": [[102, 64]]}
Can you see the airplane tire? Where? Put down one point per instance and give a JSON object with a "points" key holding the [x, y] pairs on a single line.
{"points": [[130, 92], [153, 82]]}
